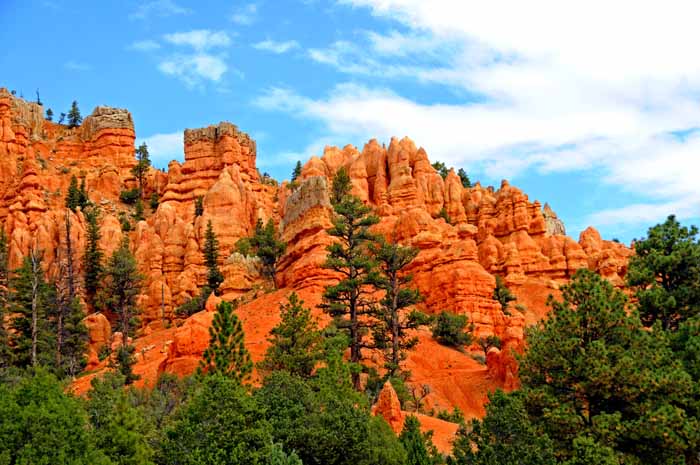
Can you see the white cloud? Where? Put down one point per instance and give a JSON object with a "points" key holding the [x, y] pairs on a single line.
{"points": [[245, 15], [160, 8], [200, 63], [77, 66], [145, 45], [192, 68], [276, 47], [544, 85], [199, 39], [165, 147]]}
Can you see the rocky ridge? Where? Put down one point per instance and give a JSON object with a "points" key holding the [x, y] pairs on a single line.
{"points": [[491, 232]]}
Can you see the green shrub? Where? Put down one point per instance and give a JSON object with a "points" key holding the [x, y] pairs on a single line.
{"points": [[129, 196], [450, 330]]}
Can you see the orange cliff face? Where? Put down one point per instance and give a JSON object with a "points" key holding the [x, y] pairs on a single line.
{"points": [[492, 232]]}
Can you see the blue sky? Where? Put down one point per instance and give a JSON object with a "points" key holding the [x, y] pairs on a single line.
{"points": [[592, 107]]}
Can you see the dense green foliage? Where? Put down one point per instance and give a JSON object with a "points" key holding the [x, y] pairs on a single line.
{"points": [[295, 343], [418, 446], [597, 387], [211, 259], [451, 330], [226, 354], [297, 171], [665, 271]]}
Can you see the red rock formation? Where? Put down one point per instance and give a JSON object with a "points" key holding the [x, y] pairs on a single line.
{"points": [[492, 232]]}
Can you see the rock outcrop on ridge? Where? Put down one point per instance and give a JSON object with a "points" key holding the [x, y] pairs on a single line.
{"points": [[491, 232]]}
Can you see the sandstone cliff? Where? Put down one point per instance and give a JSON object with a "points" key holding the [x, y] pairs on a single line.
{"points": [[491, 232]]}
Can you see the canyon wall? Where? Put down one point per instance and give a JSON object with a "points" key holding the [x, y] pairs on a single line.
{"points": [[490, 232]]}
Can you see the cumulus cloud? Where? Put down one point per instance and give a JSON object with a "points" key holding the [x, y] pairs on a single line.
{"points": [[542, 85], [202, 59], [276, 47]]}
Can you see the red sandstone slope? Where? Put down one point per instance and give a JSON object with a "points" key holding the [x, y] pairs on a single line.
{"points": [[492, 232]]}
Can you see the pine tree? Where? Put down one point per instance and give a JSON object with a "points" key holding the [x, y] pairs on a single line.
{"points": [[138, 210], [584, 377], [83, 195], [464, 178], [61, 118], [391, 335], [265, 246], [198, 206], [349, 301], [154, 201], [295, 345], [502, 294], [297, 171], [73, 199], [49, 114], [5, 350], [441, 168], [32, 300], [121, 287], [92, 258], [211, 259], [71, 333], [143, 163], [665, 271], [418, 446], [38, 98], [227, 354], [74, 118]]}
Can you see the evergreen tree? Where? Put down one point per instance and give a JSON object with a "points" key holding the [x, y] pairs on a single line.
{"points": [[295, 341], [71, 333], [119, 429], [121, 287], [265, 246], [143, 163], [92, 258], [504, 436], [297, 171], [665, 271], [226, 354], [486, 342], [83, 195], [41, 424], [502, 294], [391, 335], [38, 98], [61, 118], [441, 168], [211, 259], [583, 377], [32, 304], [451, 330], [221, 424], [74, 118], [349, 302], [418, 446], [5, 350], [73, 195], [154, 201], [464, 178], [49, 114], [138, 211], [198, 206]]}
